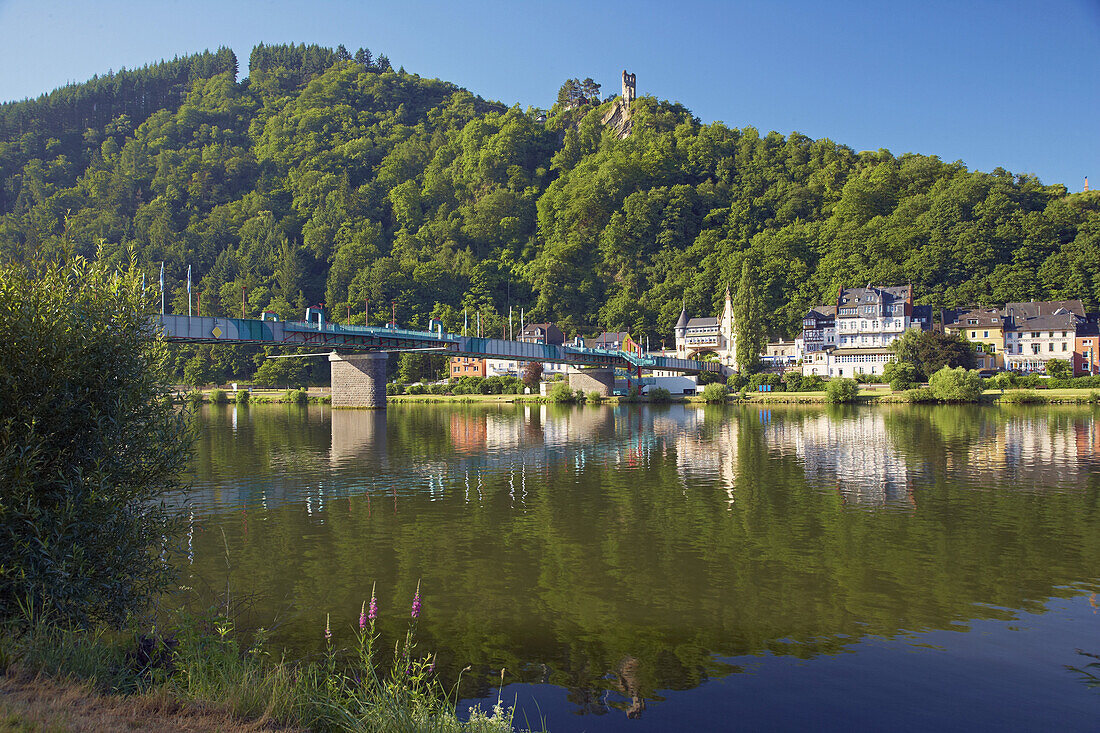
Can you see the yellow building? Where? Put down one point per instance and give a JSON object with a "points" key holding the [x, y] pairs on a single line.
{"points": [[983, 327]]}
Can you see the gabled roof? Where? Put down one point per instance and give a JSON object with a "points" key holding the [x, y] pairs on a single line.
{"points": [[1035, 308], [822, 312], [698, 322]]}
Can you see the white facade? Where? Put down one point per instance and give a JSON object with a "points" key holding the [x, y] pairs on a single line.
{"points": [[698, 335]]}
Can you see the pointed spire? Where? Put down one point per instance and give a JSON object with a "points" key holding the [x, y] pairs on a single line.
{"points": [[682, 321]]}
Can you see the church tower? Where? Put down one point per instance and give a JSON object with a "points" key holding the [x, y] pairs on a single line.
{"points": [[729, 336]]}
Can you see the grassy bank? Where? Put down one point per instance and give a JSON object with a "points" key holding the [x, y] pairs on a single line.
{"points": [[199, 674]]}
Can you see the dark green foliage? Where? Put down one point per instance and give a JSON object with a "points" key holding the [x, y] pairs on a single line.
{"points": [[243, 396], [841, 391], [593, 398], [748, 320], [89, 444], [930, 351], [901, 375], [328, 176], [1023, 397], [736, 382], [218, 397]]}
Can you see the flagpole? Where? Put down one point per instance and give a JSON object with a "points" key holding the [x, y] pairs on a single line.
{"points": [[162, 287], [189, 291]]}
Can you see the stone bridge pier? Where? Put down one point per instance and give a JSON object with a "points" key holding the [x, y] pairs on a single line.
{"points": [[359, 379], [592, 380]]}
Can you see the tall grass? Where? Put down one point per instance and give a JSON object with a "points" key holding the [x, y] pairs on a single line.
{"points": [[203, 659]]}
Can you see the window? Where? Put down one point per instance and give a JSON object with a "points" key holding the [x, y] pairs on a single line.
{"points": [[985, 334], [1034, 348], [973, 334], [1050, 346], [1063, 334], [1063, 346], [973, 321], [1035, 334]]}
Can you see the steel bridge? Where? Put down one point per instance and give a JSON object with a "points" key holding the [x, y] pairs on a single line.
{"points": [[359, 343]]}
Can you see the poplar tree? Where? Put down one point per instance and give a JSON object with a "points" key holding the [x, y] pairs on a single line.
{"points": [[748, 321]]}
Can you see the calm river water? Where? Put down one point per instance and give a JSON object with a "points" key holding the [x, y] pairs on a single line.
{"points": [[653, 568]]}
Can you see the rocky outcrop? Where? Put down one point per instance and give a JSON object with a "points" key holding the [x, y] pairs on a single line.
{"points": [[618, 118]]}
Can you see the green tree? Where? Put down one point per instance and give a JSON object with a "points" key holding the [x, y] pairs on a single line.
{"points": [[901, 375], [930, 351], [91, 444], [1059, 368], [748, 321]]}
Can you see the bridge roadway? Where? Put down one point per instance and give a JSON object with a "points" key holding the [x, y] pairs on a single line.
{"points": [[364, 347]]}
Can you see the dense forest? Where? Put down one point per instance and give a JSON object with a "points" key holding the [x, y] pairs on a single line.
{"points": [[327, 176]]}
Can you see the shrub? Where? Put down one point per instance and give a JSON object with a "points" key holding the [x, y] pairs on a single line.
{"points": [[393, 388], [709, 378], [218, 397], [560, 392], [956, 385], [812, 383], [438, 389], [901, 375], [792, 381], [1023, 397], [921, 394], [417, 389], [243, 396], [90, 444], [735, 382], [715, 392], [841, 391], [531, 375], [194, 398], [594, 397], [296, 396], [659, 394]]}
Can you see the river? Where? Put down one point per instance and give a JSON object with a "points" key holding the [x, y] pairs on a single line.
{"points": [[646, 568]]}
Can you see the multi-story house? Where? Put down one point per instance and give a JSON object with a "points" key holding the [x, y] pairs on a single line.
{"points": [[467, 366], [1087, 349], [1036, 332], [877, 316], [819, 329], [542, 333], [613, 341], [983, 327], [865, 322]]}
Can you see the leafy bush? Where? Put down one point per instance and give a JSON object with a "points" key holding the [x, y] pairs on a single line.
{"points": [[296, 396], [709, 378], [594, 397], [1023, 397], [218, 397], [901, 375], [243, 396], [417, 389], [659, 394], [194, 398], [393, 388], [761, 378], [735, 382], [956, 385], [560, 392], [792, 381], [920, 394], [715, 392], [90, 443], [841, 391], [812, 383], [1059, 369]]}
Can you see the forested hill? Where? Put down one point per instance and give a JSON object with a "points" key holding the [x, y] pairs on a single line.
{"points": [[328, 176]]}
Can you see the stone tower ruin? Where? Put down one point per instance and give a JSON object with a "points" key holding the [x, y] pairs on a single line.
{"points": [[629, 91]]}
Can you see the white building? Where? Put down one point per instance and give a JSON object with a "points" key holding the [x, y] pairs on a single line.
{"points": [[697, 336], [1034, 333]]}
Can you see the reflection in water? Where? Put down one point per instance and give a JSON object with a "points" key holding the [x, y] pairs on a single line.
{"points": [[625, 554]]}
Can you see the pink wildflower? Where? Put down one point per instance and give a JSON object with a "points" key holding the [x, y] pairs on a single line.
{"points": [[416, 602]]}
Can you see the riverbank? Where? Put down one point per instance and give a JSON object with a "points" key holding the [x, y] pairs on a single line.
{"points": [[199, 674]]}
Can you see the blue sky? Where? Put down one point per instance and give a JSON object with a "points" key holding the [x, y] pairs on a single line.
{"points": [[1009, 84]]}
